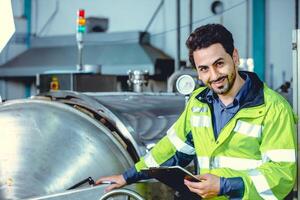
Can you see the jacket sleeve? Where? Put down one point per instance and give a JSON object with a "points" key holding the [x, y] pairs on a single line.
{"points": [[175, 148], [132, 175], [275, 178]]}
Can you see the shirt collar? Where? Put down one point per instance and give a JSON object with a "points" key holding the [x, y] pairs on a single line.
{"points": [[241, 95], [211, 96]]}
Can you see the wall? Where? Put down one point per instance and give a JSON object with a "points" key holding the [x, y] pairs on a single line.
{"points": [[122, 14], [279, 26], [234, 19], [57, 17]]}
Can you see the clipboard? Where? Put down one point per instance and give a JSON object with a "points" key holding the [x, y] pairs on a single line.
{"points": [[172, 176]]}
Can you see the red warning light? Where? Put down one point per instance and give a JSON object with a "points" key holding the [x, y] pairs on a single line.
{"points": [[81, 13]]}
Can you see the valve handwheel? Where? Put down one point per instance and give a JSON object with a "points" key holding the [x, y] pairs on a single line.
{"points": [[122, 193]]}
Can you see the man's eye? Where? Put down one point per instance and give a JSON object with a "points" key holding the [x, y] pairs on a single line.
{"points": [[220, 64], [203, 69]]}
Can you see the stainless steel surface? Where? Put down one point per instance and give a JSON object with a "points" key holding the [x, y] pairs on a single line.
{"points": [[92, 104], [149, 190], [47, 147], [138, 79], [90, 193], [144, 116], [115, 52]]}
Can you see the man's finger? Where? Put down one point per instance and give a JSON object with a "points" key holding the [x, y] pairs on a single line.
{"points": [[197, 191], [103, 179], [198, 185], [204, 177], [111, 187]]}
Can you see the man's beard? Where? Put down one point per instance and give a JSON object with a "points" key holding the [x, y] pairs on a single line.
{"points": [[224, 89]]}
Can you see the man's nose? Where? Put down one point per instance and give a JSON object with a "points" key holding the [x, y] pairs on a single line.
{"points": [[214, 74]]}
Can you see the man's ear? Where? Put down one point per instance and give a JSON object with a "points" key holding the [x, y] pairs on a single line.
{"points": [[236, 57]]}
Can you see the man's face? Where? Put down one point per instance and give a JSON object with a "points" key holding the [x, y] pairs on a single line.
{"points": [[216, 68]]}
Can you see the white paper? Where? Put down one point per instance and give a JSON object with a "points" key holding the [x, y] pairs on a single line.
{"points": [[7, 25]]}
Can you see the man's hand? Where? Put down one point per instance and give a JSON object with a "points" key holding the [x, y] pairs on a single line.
{"points": [[116, 181], [207, 188]]}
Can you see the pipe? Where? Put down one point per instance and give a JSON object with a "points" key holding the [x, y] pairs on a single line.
{"points": [[27, 14], [177, 67], [248, 29], [27, 90], [259, 43], [296, 14], [191, 15], [138, 79]]}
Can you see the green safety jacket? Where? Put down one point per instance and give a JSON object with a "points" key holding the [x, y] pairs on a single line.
{"points": [[258, 144]]}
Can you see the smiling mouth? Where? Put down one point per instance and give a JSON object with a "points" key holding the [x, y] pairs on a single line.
{"points": [[219, 80]]}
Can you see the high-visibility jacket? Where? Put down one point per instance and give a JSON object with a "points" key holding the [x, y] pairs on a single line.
{"points": [[258, 144]]}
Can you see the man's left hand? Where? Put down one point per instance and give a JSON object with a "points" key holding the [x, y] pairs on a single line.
{"points": [[207, 188]]}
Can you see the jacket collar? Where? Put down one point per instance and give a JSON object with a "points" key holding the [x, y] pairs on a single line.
{"points": [[255, 96]]}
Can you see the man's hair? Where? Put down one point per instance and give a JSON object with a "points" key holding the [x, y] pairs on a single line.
{"points": [[207, 35]]}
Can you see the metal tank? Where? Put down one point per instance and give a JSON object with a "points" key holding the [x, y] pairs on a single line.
{"points": [[55, 140], [143, 116], [46, 147], [140, 119]]}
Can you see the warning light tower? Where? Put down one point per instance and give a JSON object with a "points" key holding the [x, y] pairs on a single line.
{"points": [[81, 22]]}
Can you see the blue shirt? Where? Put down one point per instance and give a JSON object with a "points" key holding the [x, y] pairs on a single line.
{"points": [[221, 113]]}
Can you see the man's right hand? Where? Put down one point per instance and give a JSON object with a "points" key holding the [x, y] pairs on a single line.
{"points": [[117, 181]]}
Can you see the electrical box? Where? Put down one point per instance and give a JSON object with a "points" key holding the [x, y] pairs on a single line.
{"points": [[81, 82]]}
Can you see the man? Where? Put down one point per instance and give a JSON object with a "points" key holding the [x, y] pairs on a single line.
{"points": [[241, 131]]}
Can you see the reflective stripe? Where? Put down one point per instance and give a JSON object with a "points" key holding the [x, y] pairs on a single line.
{"points": [[150, 161], [179, 144], [245, 128], [200, 121], [280, 155], [236, 163], [228, 162], [261, 185], [203, 162], [199, 109]]}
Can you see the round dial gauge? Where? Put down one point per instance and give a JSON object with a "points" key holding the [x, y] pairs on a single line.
{"points": [[185, 84]]}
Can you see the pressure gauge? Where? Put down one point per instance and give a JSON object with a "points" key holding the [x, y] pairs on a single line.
{"points": [[185, 84]]}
